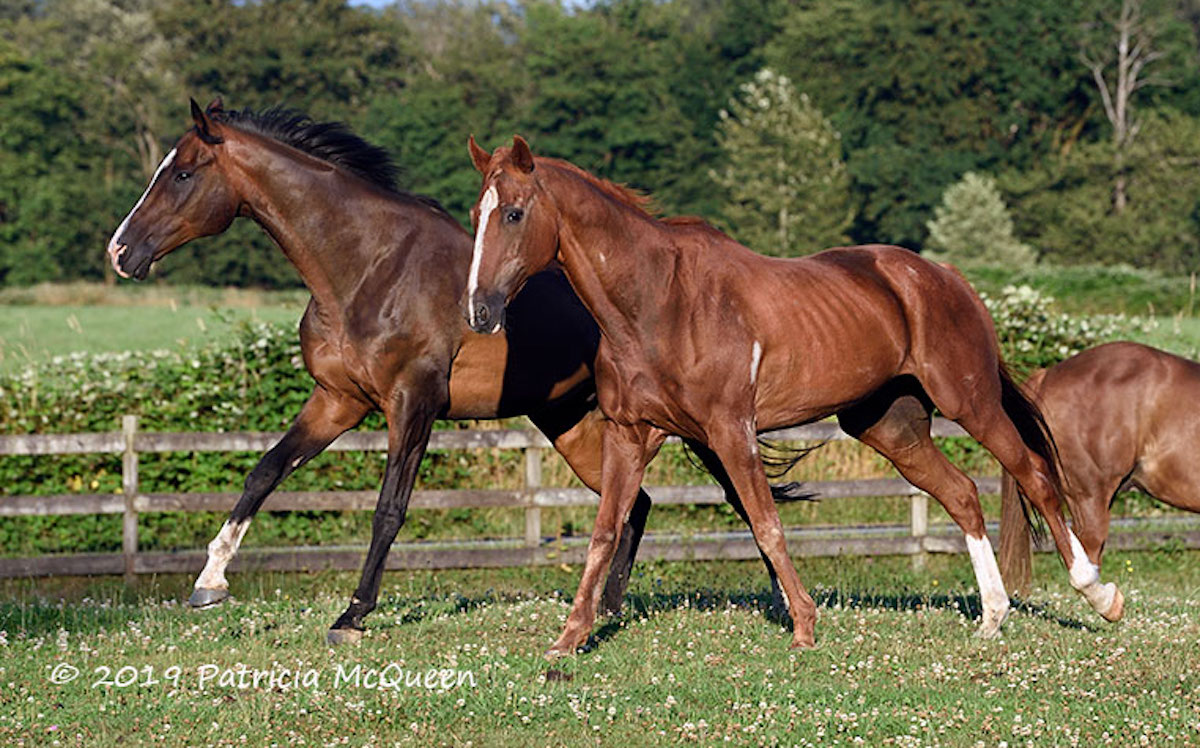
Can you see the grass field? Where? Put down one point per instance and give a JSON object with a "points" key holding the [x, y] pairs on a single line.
{"points": [[39, 323], [697, 661]]}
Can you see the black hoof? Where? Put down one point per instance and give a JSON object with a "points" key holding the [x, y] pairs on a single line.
{"points": [[339, 637], [207, 597]]}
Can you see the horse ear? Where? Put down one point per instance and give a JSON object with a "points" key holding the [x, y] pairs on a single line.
{"points": [[203, 125], [480, 157], [216, 107], [522, 157]]}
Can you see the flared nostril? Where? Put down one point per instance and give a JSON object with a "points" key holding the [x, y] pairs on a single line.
{"points": [[482, 314]]}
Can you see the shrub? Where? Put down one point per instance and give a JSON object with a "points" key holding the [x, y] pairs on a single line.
{"points": [[972, 225], [1034, 333]]}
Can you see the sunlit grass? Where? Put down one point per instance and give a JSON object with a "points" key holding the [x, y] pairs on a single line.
{"points": [[698, 660]]}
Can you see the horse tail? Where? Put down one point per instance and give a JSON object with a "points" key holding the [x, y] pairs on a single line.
{"points": [[1018, 523]]}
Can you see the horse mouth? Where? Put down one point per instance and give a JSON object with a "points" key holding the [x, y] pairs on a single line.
{"points": [[141, 266], [115, 253]]}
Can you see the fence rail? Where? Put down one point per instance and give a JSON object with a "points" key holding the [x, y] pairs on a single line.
{"points": [[916, 538]]}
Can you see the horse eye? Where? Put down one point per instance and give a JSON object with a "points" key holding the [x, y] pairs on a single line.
{"points": [[512, 215], [183, 176]]}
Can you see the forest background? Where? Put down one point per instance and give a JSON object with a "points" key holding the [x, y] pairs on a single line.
{"points": [[793, 125]]}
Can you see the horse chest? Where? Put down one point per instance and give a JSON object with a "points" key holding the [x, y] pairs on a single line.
{"points": [[626, 389]]}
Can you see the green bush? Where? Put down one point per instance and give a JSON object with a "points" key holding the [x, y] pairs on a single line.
{"points": [[1094, 288], [1035, 333]]}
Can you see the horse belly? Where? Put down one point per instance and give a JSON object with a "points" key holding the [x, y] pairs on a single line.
{"points": [[810, 376], [489, 379]]}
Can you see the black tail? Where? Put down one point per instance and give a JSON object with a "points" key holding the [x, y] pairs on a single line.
{"points": [[1031, 425], [777, 461]]}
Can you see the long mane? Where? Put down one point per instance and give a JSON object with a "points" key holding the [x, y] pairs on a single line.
{"points": [[333, 142], [630, 197]]}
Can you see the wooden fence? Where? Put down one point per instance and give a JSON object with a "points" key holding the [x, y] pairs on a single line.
{"points": [[916, 538]]}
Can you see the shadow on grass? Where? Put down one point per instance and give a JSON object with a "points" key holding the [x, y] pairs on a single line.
{"points": [[36, 617], [640, 606]]}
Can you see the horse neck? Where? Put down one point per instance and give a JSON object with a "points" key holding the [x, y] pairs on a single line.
{"points": [[298, 199], [618, 278]]}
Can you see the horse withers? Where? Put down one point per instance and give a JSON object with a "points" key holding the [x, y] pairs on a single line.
{"points": [[1121, 414], [704, 338]]}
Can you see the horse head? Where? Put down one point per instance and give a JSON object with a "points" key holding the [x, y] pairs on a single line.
{"points": [[516, 232], [188, 197]]}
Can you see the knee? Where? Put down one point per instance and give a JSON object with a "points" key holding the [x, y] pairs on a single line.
{"points": [[604, 538]]}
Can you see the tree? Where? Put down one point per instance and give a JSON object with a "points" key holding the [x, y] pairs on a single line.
{"points": [[788, 187], [972, 225], [1117, 50], [923, 92], [1064, 205]]}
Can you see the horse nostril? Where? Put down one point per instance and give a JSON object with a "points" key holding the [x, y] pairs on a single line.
{"points": [[482, 314]]}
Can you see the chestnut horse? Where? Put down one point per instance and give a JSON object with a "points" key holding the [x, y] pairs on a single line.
{"points": [[704, 338], [1121, 413], [382, 330]]}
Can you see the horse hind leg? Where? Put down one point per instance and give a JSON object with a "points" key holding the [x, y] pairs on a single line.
{"points": [[896, 424], [989, 423]]}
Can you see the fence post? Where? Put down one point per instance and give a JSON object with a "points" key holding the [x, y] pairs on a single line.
{"points": [[129, 487], [533, 481], [919, 526]]}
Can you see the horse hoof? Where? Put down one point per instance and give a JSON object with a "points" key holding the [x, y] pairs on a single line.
{"points": [[806, 643], [207, 597], [990, 628], [340, 637], [1116, 611], [555, 653]]}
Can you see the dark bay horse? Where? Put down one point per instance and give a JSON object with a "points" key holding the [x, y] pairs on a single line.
{"points": [[386, 269], [704, 338], [1120, 413]]}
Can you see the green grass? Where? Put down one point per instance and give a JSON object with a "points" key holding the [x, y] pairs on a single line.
{"points": [[697, 660], [38, 333], [1179, 335]]}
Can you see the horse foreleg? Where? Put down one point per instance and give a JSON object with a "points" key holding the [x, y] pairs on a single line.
{"points": [[717, 470], [627, 451], [323, 418], [737, 449], [410, 420], [580, 442]]}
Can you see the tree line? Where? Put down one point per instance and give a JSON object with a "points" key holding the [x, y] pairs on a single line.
{"points": [[793, 125]]}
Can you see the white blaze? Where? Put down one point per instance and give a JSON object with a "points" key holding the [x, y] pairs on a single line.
{"points": [[220, 552], [113, 246], [487, 206]]}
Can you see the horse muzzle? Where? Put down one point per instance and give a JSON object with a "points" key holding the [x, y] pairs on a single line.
{"points": [[130, 261], [485, 314]]}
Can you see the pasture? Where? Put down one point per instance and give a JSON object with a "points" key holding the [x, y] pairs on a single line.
{"points": [[52, 320], [696, 660]]}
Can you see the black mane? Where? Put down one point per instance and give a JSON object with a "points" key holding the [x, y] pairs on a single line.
{"points": [[334, 142]]}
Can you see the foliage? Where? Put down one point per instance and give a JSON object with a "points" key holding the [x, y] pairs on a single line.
{"points": [[92, 93], [1090, 289], [1034, 333], [1064, 206], [972, 226], [788, 187]]}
